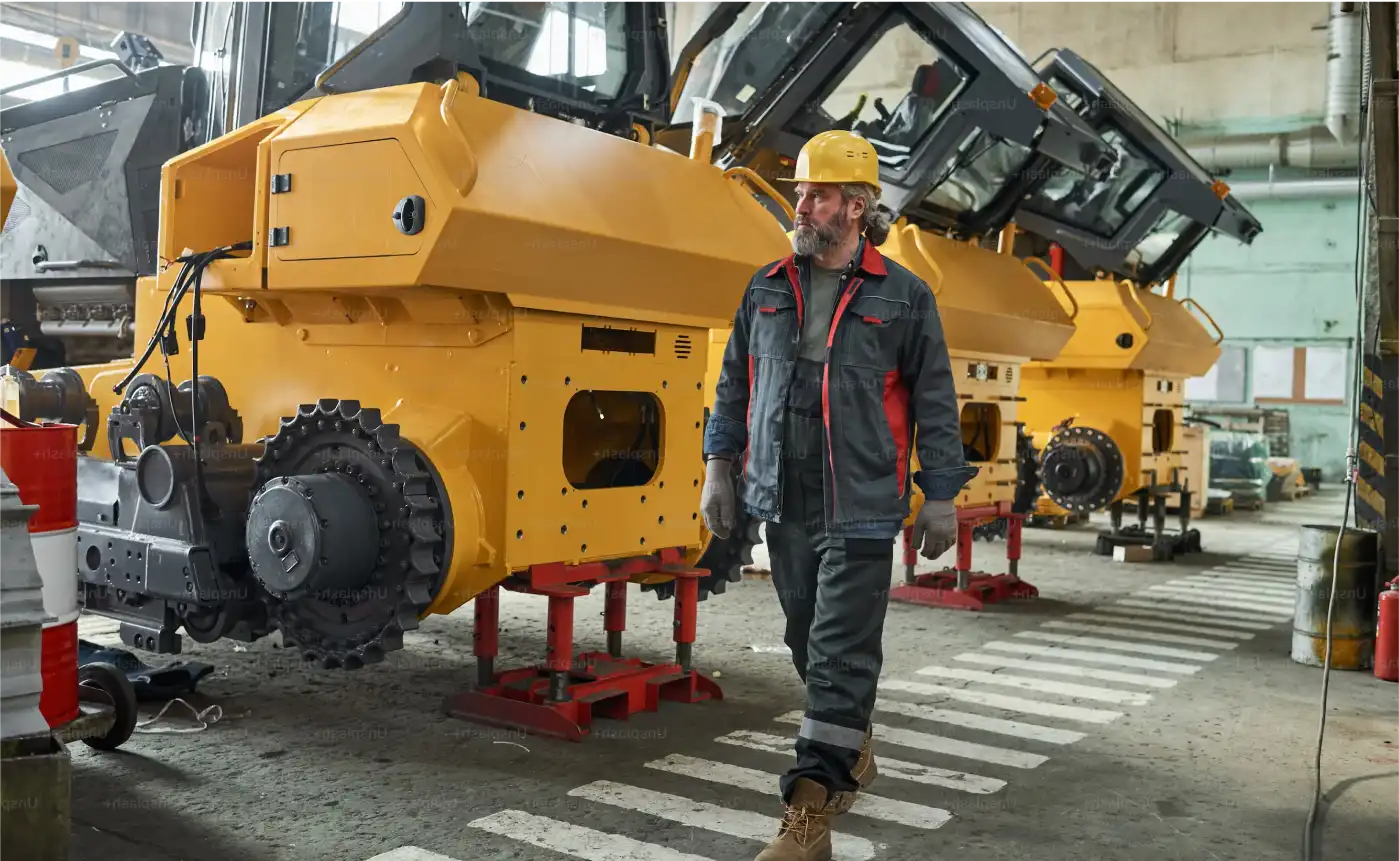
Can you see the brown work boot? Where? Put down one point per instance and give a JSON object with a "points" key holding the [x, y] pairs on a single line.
{"points": [[805, 833], [864, 772]]}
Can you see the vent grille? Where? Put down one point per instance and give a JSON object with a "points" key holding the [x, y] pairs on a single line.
{"points": [[1010, 376], [682, 346], [68, 165]]}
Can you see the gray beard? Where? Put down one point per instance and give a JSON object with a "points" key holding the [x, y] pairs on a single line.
{"points": [[810, 241]]}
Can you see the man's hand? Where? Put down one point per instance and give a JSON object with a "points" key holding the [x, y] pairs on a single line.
{"points": [[717, 498], [935, 528]]}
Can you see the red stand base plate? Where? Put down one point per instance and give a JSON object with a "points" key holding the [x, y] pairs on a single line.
{"points": [[940, 590], [599, 684]]}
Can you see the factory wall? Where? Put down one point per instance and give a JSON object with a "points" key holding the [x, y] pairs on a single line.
{"points": [[1295, 286], [1212, 68]]}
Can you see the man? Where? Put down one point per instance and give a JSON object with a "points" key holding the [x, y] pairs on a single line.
{"points": [[836, 355]]}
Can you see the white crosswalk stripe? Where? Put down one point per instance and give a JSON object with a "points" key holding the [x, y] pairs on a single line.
{"points": [[1246, 597], [712, 817], [1241, 604], [1137, 634], [1252, 585], [1003, 701], [576, 840], [1160, 618], [935, 743], [872, 806], [1185, 611], [1016, 728], [911, 771], [1086, 656], [1119, 645], [1048, 686], [1058, 669]]}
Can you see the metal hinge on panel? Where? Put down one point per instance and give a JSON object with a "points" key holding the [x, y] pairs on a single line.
{"points": [[281, 183], [277, 236]]}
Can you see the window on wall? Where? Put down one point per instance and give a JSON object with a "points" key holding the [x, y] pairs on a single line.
{"points": [[1225, 381], [1300, 375]]}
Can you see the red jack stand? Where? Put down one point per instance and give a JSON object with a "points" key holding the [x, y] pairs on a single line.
{"points": [[961, 588], [560, 697]]}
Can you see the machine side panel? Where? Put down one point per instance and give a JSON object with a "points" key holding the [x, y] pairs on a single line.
{"points": [[588, 405]]}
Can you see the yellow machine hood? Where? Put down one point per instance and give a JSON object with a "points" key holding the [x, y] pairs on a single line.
{"points": [[1123, 327], [989, 302], [496, 209]]}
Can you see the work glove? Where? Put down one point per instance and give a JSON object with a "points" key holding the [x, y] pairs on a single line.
{"points": [[935, 528], [717, 498]]}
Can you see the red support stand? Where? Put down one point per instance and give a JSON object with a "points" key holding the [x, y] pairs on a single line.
{"points": [[961, 588], [560, 697]]}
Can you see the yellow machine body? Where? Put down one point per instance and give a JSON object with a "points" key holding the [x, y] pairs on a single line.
{"points": [[1123, 372], [513, 338], [996, 314], [8, 187]]}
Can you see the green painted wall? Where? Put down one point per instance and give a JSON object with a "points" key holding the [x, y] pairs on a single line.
{"points": [[1294, 286]]}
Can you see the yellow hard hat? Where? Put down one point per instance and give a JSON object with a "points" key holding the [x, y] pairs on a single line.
{"points": [[837, 156]]}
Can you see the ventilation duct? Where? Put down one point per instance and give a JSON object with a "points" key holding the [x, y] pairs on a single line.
{"points": [[1309, 150], [1344, 83]]}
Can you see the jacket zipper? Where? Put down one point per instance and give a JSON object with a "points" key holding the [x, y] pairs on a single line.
{"points": [[846, 294]]}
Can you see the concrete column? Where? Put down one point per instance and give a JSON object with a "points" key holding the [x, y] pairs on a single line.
{"points": [[35, 771]]}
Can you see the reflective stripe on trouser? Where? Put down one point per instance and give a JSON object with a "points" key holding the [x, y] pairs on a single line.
{"points": [[834, 593]]}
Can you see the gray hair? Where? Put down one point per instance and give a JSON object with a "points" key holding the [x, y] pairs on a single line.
{"points": [[874, 224]]}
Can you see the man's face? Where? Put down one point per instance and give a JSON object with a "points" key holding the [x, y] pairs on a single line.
{"points": [[824, 218]]}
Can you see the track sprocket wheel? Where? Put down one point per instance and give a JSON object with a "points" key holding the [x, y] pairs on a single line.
{"points": [[1082, 469], [1027, 473], [348, 628]]}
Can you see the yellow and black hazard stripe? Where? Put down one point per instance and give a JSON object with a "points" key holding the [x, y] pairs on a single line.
{"points": [[1369, 485]]}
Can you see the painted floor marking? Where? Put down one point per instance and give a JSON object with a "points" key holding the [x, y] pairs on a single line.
{"points": [[935, 743], [575, 840], [1261, 573], [1004, 702], [1116, 660], [1254, 585], [411, 853], [1254, 597], [1047, 686], [1119, 645], [911, 771], [1018, 729], [1184, 611], [1173, 619], [1135, 633], [1242, 604], [872, 806], [744, 824], [1064, 670]]}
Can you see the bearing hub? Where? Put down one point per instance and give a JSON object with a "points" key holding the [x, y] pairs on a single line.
{"points": [[1081, 469], [349, 533], [312, 533]]}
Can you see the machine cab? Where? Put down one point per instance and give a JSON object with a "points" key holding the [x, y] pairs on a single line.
{"points": [[961, 140], [1158, 204]]}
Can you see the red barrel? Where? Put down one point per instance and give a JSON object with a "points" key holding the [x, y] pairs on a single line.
{"points": [[41, 460], [1387, 637]]}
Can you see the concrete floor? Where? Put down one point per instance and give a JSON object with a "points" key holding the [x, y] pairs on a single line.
{"points": [[1176, 737]]}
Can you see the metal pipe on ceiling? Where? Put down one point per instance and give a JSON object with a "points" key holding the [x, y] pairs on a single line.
{"points": [[1296, 189]]}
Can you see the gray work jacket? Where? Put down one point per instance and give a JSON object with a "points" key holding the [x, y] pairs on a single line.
{"points": [[887, 381]]}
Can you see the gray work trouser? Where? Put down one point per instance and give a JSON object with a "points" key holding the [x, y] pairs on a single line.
{"points": [[834, 593]]}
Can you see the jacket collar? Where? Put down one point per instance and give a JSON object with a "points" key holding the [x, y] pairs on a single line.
{"points": [[870, 261]]}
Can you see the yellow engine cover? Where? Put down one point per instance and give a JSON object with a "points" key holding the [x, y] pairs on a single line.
{"points": [[500, 328]]}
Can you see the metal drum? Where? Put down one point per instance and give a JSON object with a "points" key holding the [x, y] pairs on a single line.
{"points": [[1353, 620]]}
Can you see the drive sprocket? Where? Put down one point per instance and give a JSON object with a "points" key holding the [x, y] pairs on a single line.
{"points": [[351, 627], [723, 558]]}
